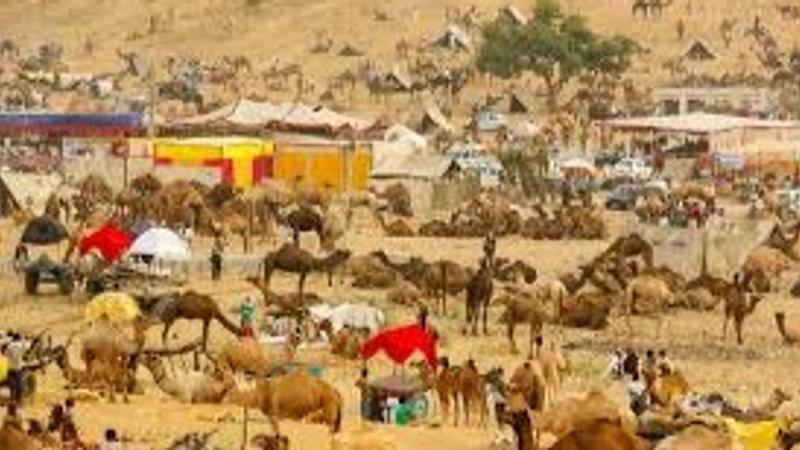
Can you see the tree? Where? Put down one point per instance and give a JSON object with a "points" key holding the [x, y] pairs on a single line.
{"points": [[555, 47]]}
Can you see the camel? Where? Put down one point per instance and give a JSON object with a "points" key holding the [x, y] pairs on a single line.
{"points": [[789, 331], [528, 379], [479, 295], [112, 375], [333, 228], [652, 293], [588, 310], [367, 271], [304, 219], [292, 258], [600, 435], [515, 272], [698, 437], [630, 246], [398, 198], [523, 307], [738, 305], [576, 413], [290, 304], [472, 387], [399, 227], [296, 396], [189, 386], [244, 355], [554, 366], [441, 277], [189, 305], [764, 264], [14, 437], [668, 388], [404, 293]]}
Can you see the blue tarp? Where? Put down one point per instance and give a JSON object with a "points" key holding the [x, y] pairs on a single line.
{"points": [[71, 124]]}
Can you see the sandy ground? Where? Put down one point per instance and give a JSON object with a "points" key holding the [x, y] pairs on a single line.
{"points": [[747, 373]]}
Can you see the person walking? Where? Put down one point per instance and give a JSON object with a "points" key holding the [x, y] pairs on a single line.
{"points": [[15, 351], [216, 264], [247, 313]]}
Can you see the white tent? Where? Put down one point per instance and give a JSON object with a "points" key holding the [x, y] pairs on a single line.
{"points": [[160, 243], [403, 135]]}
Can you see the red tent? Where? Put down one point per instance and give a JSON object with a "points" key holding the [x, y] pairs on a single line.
{"points": [[109, 240], [400, 343]]}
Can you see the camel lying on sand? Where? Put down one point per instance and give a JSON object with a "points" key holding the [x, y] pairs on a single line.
{"points": [[599, 435], [188, 386], [296, 396], [790, 331]]}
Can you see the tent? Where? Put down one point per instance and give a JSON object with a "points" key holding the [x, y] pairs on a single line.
{"points": [[290, 117], [453, 37], [20, 190], [109, 240], [242, 162], [70, 124], [699, 51], [43, 230], [160, 243], [401, 343], [403, 135], [433, 119]]}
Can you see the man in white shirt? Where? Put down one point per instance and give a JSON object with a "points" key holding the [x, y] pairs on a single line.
{"points": [[15, 352]]}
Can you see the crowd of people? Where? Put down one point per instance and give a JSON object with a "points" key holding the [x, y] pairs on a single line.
{"points": [[59, 428], [639, 374]]}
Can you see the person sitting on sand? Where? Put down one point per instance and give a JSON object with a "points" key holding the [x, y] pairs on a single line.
{"points": [[664, 364]]}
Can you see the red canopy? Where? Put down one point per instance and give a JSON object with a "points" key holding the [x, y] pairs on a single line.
{"points": [[400, 343], [109, 240]]}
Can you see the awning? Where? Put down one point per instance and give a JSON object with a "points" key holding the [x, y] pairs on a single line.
{"points": [[109, 240], [401, 343], [71, 124]]}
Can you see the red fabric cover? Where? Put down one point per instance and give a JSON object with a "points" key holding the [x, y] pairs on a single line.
{"points": [[400, 343], [109, 240]]}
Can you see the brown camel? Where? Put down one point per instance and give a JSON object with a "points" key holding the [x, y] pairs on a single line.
{"points": [[398, 199], [189, 305], [576, 413], [445, 383], [437, 279], [472, 387], [789, 331], [667, 388], [630, 246], [296, 396], [292, 258], [288, 304], [14, 437], [600, 435], [112, 376], [244, 355], [304, 219], [526, 308], [738, 305], [479, 296], [395, 228]]}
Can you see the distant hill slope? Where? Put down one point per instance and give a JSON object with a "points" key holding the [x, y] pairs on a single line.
{"points": [[286, 30]]}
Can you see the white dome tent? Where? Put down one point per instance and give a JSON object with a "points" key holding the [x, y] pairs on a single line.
{"points": [[161, 243]]}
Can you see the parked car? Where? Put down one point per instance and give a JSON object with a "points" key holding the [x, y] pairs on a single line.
{"points": [[623, 197], [635, 169]]}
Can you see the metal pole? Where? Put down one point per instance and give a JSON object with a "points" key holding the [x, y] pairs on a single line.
{"points": [[244, 429]]}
